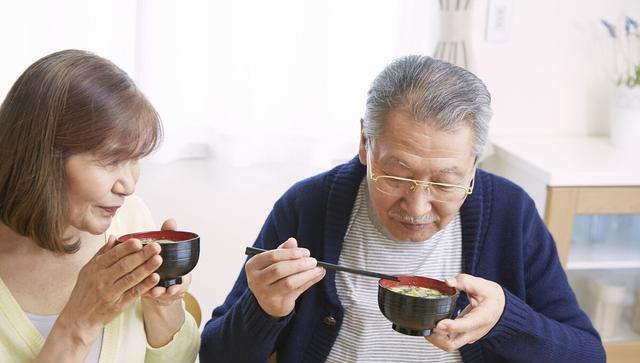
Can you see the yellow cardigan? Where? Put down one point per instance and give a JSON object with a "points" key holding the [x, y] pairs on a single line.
{"points": [[124, 338]]}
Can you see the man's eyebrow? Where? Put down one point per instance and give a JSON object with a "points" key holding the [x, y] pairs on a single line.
{"points": [[398, 161], [444, 171], [450, 170]]}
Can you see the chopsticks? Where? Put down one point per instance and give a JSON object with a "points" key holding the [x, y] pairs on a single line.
{"points": [[252, 251]]}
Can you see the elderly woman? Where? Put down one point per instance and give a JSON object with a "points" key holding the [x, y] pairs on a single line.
{"points": [[72, 130]]}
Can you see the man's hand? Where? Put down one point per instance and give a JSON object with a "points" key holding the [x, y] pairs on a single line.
{"points": [[278, 277], [476, 320]]}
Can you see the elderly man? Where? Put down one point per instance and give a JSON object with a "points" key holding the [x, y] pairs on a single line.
{"points": [[412, 203]]}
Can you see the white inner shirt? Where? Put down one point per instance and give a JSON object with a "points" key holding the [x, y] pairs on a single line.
{"points": [[366, 335], [44, 324]]}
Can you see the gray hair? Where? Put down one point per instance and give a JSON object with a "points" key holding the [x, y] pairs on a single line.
{"points": [[445, 95]]}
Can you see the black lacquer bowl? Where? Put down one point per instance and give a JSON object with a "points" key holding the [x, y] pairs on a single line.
{"points": [[178, 257], [413, 315]]}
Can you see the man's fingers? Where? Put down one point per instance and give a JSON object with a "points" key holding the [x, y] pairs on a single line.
{"points": [[450, 342], [471, 285], [472, 320], [290, 243], [465, 311], [284, 269], [320, 275], [295, 282], [437, 338], [266, 259]]}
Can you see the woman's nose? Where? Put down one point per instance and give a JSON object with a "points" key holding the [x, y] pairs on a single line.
{"points": [[127, 179]]}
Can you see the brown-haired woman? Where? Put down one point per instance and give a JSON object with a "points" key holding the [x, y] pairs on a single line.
{"points": [[72, 129]]}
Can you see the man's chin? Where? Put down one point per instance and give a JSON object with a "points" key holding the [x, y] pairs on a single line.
{"points": [[403, 234]]}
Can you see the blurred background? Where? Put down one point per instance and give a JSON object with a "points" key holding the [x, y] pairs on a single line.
{"points": [[256, 95]]}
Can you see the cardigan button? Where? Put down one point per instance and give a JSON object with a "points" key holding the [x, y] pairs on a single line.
{"points": [[329, 320]]}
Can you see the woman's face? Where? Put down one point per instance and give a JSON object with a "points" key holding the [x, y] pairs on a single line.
{"points": [[96, 190]]}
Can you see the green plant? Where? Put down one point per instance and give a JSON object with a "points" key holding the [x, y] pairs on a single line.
{"points": [[626, 50]]}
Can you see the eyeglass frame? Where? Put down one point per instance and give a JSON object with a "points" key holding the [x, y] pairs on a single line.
{"points": [[418, 183]]}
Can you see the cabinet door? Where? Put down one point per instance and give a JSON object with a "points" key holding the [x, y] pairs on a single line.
{"points": [[597, 230], [563, 203]]}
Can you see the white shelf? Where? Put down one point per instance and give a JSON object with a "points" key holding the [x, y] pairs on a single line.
{"points": [[603, 265], [570, 160], [623, 332], [585, 256]]}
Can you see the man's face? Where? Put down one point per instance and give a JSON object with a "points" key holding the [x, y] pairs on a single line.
{"points": [[409, 149]]}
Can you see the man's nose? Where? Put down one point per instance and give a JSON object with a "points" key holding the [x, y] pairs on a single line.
{"points": [[418, 202]]}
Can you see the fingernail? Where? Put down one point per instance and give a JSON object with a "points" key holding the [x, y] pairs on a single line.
{"points": [[311, 261], [306, 252], [451, 281]]}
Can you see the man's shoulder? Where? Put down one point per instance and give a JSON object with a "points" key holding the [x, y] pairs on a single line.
{"points": [[501, 186], [317, 188], [313, 184], [504, 192]]}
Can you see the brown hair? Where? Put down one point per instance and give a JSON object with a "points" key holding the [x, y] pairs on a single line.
{"points": [[66, 103]]}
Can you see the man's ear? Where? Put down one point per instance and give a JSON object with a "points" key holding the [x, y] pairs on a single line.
{"points": [[362, 150]]}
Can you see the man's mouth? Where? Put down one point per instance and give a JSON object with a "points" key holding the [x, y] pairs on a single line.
{"points": [[414, 226]]}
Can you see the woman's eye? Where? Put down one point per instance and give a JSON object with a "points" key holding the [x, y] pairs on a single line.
{"points": [[109, 163]]}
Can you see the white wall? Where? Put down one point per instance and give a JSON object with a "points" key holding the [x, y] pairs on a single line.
{"points": [[554, 75], [255, 78], [32, 29]]}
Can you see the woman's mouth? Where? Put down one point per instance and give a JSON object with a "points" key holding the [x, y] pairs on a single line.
{"points": [[110, 210]]}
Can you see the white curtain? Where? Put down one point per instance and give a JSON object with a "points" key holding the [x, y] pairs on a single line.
{"points": [[253, 81]]}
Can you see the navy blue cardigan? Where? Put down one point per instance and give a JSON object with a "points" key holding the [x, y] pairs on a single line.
{"points": [[503, 240]]}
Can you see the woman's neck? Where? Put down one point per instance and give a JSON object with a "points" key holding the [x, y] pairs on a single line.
{"points": [[12, 242]]}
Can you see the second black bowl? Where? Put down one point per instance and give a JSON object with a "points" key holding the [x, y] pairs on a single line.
{"points": [[179, 256], [414, 315]]}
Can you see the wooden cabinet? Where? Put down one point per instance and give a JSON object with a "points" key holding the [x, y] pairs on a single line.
{"points": [[573, 178]]}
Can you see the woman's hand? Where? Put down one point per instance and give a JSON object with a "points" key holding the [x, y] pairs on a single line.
{"points": [[476, 320], [278, 277], [106, 286], [162, 307], [161, 296]]}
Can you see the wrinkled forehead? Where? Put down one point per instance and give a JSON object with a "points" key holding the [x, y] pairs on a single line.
{"points": [[422, 148]]}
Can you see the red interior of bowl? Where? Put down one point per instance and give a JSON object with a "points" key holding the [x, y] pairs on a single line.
{"points": [[177, 236], [421, 282]]}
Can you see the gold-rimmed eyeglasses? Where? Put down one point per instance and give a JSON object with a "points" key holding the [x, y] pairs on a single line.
{"points": [[398, 186]]}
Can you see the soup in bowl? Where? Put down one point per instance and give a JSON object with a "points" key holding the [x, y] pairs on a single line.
{"points": [[179, 250], [415, 304]]}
